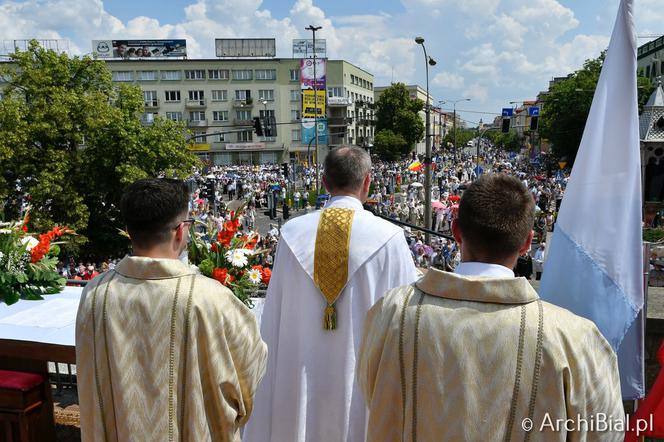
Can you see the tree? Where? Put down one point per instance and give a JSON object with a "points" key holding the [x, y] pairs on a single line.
{"points": [[506, 141], [70, 141], [398, 123], [567, 105], [463, 136]]}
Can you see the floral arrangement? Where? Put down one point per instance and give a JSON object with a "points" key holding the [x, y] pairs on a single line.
{"points": [[230, 257], [28, 264]]}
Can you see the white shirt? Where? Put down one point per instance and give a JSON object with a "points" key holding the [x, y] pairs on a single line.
{"points": [[483, 269]]}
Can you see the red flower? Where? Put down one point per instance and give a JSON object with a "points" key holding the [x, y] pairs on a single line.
{"points": [[214, 247], [267, 274], [24, 227], [257, 267], [41, 249], [220, 275]]}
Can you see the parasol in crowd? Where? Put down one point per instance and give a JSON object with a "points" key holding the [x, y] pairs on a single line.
{"points": [[417, 185], [437, 205], [454, 198]]}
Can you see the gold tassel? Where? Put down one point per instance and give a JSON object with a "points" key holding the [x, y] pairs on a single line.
{"points": [[330, 318]]}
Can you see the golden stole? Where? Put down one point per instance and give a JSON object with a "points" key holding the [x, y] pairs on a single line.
{"points": [[331, 258]]}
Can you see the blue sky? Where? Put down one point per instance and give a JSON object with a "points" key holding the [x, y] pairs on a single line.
{"points": [[492, 51]]}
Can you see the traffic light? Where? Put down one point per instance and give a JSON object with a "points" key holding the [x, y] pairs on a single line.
{"points": [[506, 125], [258, 126], [533, 123], [285, 169], [270, 126]]}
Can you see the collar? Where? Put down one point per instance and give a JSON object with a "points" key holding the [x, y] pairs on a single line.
{"points": [[345, 201], [499, 290], [483, 269], [141, 267]]}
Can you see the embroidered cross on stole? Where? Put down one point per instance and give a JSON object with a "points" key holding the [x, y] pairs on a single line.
{"points": [[331, 258]]}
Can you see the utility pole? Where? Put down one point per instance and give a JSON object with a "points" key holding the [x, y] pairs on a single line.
{"points": [[313, 30]]}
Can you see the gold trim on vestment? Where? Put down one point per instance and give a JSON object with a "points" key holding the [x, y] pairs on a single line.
{"points": [[331, 258]]}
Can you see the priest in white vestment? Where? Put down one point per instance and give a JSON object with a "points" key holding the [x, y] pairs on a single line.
{"points": [[162, 352], [330, 267], [475, 355]]}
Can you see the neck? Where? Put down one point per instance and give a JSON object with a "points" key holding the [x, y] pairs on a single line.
{"points": [[509, 262], [163, 251], [356, 195]]}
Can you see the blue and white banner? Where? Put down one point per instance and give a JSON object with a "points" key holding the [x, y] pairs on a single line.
{"points": [[308, 131], [595, 266]]}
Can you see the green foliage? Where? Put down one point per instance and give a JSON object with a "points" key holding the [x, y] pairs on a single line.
{"points": [[506, 141], [566, 107], [653, 235], [75, 141], [463, 136], [398, 124]]}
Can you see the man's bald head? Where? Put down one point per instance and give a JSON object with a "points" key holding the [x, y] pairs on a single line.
{"points": [[345, 168]]}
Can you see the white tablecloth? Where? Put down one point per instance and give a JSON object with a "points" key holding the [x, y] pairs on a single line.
{"points": [[53, 320]]}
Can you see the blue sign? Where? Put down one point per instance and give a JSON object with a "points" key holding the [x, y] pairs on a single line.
{"points": [[309, 132], [507, 111], [533, 111], [478, 170]]}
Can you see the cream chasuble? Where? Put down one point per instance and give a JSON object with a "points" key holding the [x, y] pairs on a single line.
{"points": [[467, 358], [164, 354], [309, 392]]}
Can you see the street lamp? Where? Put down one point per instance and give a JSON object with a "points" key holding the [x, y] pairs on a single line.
{"points": [[454, 102], [428, 61], [313, 30]]}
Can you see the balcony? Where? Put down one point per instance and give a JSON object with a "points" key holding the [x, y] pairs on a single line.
{"points": [[238, 122], [151, 104], [248, 103], [197, 123], [196, 104], [219, 122], [337, 122]]}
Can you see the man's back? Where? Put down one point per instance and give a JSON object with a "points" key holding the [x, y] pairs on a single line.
{"points": [[163, 352], [472, 358], [309, 392]]}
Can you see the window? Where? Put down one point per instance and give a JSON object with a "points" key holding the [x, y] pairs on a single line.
{"points": [[172, 96], [196, 95], [295, 94], [197, 115], [175, 116], [220, 115], [294, 114], [266, 113], [335, 92], [266, 74], [295, 134], [171, 75], [123, 76], [266, 94], [246, 135], [148, 117], [244, 115], [199, 137], [218, 74], [219, 138], [150, 98], [294, 75], [242, 95], [147, 76], [220, 95], [242, 74], [196, 74]]}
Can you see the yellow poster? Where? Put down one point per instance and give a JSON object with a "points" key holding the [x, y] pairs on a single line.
{"points": [[311, 107], [199, 147]]}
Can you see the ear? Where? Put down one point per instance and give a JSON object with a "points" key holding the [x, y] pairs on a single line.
{"points": [[526, 245], [366, 183], [179, 232], [324, 183], [456, 231]]}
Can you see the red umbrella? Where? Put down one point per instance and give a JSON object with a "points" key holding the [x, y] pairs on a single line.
{"points": [[437, 205], [540, 178], [454, 198]]}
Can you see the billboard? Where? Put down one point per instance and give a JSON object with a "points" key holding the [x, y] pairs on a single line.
{"points": [[309, 130], [245, 146], [312, 107], [304, 48], [307, 80], [199, 147], [139, 48], [245, 47]]}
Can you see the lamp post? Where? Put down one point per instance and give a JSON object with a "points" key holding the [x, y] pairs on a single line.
{"points": [[454, 102], [265, 119], [313, 30], [428, 61]]}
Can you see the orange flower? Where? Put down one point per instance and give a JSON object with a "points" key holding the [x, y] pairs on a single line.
{"points": [[257, 267], [25, 223], [267, 274], [41, 249], [220, 274]]}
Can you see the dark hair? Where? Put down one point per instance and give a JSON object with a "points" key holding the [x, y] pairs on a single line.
{"points": [[346, 167], [496, 214], [150, 208]]}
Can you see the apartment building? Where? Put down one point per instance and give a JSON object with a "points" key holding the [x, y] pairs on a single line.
{"points": [[218, 99]]}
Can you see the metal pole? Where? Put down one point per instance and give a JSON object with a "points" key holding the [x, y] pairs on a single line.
{"points": [[454, 130], [313, 29], [427, 160]]}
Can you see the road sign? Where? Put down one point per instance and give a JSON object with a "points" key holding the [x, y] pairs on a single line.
{"points": [[533, 111], [507, 111], [562, 164]]}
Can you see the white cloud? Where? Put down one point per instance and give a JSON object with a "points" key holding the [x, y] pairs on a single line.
{"points": [[448, 80]]}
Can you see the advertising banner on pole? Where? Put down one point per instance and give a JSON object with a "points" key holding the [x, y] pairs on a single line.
{"points": [[139, 48], [304, 48], [309, 132], [307, 73], [313, 107]]}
